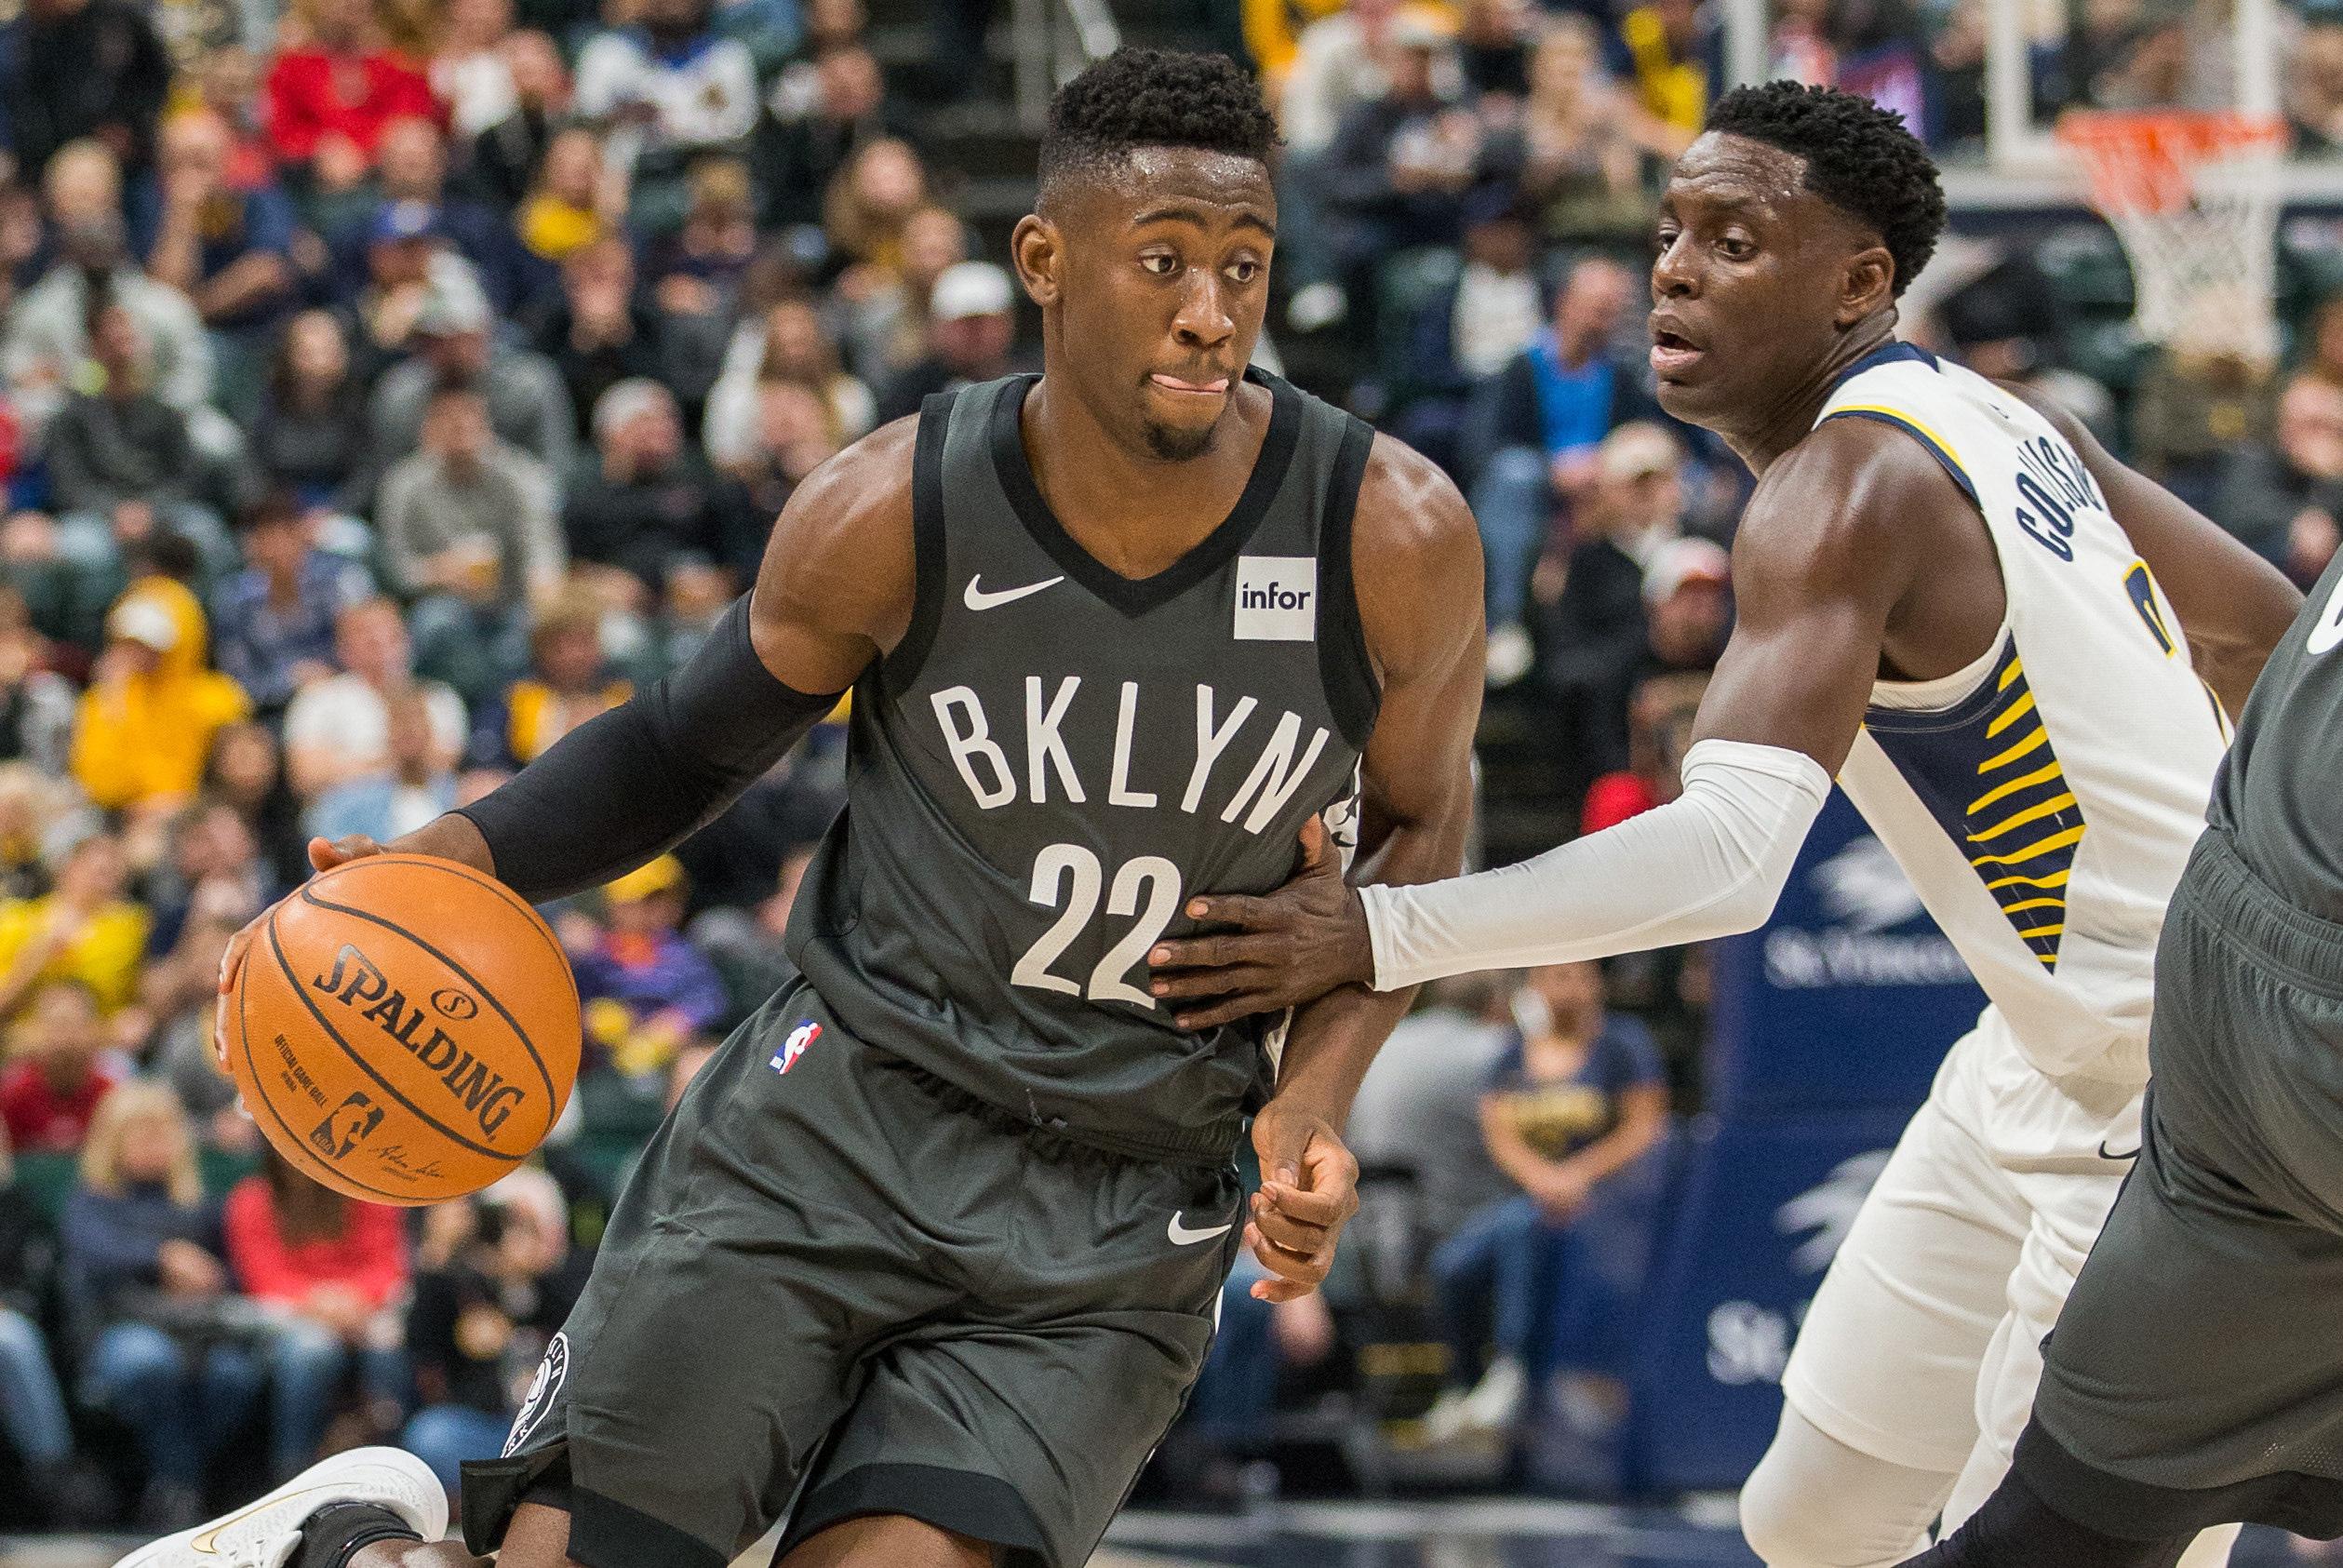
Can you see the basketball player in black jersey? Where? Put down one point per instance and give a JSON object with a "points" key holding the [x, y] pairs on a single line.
{"points": [[930, 1254]]}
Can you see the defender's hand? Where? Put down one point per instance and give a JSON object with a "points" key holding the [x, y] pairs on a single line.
{"points": [[323, 855], [1285, 948], [1309, 1189]]}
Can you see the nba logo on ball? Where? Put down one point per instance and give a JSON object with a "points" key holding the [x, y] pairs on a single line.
{"points": [[1277, 599], [805, 1034]]}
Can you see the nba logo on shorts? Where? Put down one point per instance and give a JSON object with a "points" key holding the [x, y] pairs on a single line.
{"points": [[1277, 599], [805, 1034]]}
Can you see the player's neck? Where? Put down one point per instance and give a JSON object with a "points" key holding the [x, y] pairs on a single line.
{"points": [[1790, 417], [1137, 513]]}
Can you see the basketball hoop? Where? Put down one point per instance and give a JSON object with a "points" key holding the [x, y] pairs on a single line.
{"points": [[2195, 197]]}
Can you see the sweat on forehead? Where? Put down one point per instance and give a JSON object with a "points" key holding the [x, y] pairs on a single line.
{"points": [[1146, 178]]}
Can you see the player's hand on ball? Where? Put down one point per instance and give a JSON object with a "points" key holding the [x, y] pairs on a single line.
{"points": [[1280, 949], [1309, 1189], [323, 855]]}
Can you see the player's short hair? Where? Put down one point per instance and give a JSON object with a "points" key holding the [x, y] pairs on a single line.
{"points": [[1859, 158], [1152, 98]]}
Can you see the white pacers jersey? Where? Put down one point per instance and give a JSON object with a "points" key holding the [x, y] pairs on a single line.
{"points": [[2044, 800]]}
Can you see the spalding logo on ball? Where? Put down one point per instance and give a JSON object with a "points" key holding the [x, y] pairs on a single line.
{"points": [[405, 1029]]}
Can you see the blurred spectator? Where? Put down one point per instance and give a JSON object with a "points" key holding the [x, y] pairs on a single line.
{"points": [[49, 331], [971, 324], [415, 784], [494, 1281], [276, 616], [1580, 1098], [211, 847], [470, 73], [330, 98], [671, 88], [147, 720], [406, 268], [884, 327], [180, 988], [2285, 498], [1668, 50], [575, 201], [802, 147], [71, 69], [310, 431], [649, 500], [142, 1254], [865, 209], [792, 438], [455, 342], [1401, 167], [468, 532], [36, 704], [84, 931], [121, 463], [2190, 409], [1468, 331], [308, 435], [339, 728], [1419, 1107], [1686, 607], [246, 771], [330, 1272], [1587, 145], [1270, 31], [58, 1070], [647, 989], [505, 158], [33, 1423], [1235, 1396], [566, 686], [1593, 628], [1494, 39], [796, 353], [412, 169], [42, 816], [2314, 87], [2324, 358], [698, 271], [749, 946], [1339, 61], [599, 330], [226, 247], [1535, 431], [1659, 722]]}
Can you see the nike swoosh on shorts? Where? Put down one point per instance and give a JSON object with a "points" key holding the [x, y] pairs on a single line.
{"points": [[1182, 1236]]}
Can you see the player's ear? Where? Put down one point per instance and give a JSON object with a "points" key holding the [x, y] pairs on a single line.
{"points": [[1868, 286], [1038, 252]]}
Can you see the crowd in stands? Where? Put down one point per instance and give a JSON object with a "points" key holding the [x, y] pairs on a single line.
{"points": [[388, 387]]}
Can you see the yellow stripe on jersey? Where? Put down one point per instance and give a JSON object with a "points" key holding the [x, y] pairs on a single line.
{"points": [[2065, 838], [2010, 715], [2035, 812], [1935, 443], [2056, 880], [2035, 739], [2049, 770]]}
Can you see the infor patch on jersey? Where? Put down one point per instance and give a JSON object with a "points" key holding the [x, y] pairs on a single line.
{"points": [[1277, 599]]}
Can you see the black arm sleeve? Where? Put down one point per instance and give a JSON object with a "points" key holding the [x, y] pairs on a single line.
{"points": [[634, 783]]}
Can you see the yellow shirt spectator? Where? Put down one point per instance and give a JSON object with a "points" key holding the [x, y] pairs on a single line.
{"points": [[1675, 89], [85, 931], [146, 724]]}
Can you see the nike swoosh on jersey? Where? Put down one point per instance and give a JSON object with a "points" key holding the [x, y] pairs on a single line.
{"points": [[977, 598], [2107, 1153], [1182, 1236]]}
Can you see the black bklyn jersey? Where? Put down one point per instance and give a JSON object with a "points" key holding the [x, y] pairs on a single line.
{"points": [[2276, 794], [1056, 758]]}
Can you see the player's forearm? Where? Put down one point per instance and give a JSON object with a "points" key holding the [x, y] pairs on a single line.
{"points": [[633, 783], [1709, 864]]}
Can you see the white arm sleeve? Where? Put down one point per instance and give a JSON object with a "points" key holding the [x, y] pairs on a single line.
{"points": [[1709, 864]]}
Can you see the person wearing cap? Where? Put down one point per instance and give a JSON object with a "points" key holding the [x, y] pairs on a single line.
{"points": [[454, 338], [645, 988], [971, 326], [146, 723]]}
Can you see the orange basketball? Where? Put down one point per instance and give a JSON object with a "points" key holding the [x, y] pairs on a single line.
{"points": [[404, 1029]]}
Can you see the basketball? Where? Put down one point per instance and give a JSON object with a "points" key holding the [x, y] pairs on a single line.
{"points": [[404, 1029]]}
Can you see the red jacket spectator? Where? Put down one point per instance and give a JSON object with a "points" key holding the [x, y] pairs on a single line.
{"points": [[43, 1114], [368, 1257], [304, 101]]}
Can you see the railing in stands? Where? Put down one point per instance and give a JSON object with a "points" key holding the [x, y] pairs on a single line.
{"points": [[1055, 40]]}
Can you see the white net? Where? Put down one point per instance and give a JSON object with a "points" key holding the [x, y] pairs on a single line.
{"points": [[2195, 197]]}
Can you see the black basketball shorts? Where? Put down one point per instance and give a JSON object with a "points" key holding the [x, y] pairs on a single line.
{"points": [[836, 1287], [2196, 1375]]}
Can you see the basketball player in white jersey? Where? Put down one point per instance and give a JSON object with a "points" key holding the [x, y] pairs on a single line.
{"points": [[2014, 654]]}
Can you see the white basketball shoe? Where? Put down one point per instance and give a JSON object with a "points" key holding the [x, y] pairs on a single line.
{"points": [[266, 1532]]}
